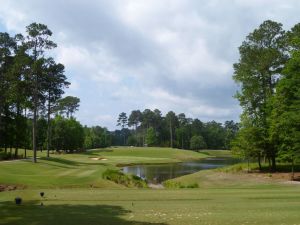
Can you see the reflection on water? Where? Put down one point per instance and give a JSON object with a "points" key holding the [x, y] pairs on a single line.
{"points": [[157, 173]]}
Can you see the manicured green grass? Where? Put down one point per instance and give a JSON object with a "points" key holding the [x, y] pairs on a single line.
{"points": [[47, 173], [217, 153], [135, 155], [214, 178], [81, 170], [218, 206], [76, 193], [235, 176]]}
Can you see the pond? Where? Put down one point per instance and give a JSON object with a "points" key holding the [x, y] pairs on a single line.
{"points": [[157, 173]]}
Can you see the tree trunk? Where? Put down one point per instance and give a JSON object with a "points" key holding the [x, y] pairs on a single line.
{"points": [[18, 128], [2, 99], [293, 173], [248, 170], [259, 163], [35, 106], [48, 129], [26, 141], [273, 164], [16, 152], [34, 129], [171, 135], [144, 136], [136, 137]]}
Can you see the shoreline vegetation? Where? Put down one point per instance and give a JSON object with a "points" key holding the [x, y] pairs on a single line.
{"points": [[86, 169]]}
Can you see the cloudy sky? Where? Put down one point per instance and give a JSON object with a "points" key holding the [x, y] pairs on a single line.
{"points": [[122, 55]]}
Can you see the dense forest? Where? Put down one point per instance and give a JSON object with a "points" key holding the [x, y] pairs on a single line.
{"points": [[31, 87], [268, 73], [150, 128]]}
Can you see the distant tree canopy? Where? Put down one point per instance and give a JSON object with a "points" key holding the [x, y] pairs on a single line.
{"points": [[197, 142], [68, 105], [151, 128], [151, 138], [96, 137], [67, 134], [268, 73]]}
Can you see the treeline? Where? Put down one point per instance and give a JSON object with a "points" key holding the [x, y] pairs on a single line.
{"points": [[31, 89], [151, 128], [33, 114], [268, 73]]}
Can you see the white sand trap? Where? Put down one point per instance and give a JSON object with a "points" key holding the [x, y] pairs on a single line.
{"points": [[98, 158]]}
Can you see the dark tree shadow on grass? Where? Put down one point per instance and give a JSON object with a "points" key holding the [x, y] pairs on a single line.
{"points": [[62, 161], [68, 162], [283, 168], [33, 213], [96, 152]]}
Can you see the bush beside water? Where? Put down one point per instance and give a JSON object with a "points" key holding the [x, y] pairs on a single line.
{"points": [[124, 179]]}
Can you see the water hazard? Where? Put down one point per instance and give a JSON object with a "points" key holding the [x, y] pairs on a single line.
{"points": [[157, 173]]}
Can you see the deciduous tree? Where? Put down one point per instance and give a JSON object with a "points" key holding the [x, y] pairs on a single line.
{"points": [[262, 57]]}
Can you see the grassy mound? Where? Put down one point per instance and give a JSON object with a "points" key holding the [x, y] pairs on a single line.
{"points": [[124, 179]]}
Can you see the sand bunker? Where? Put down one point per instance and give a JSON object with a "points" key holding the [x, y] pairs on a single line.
{"points": [[98, 158]]}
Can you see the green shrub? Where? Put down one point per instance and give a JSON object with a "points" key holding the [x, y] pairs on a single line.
{"points": [[124, 179], [197, 142], [5, 156], [240, 167], [194, 185], [172, 184]]}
